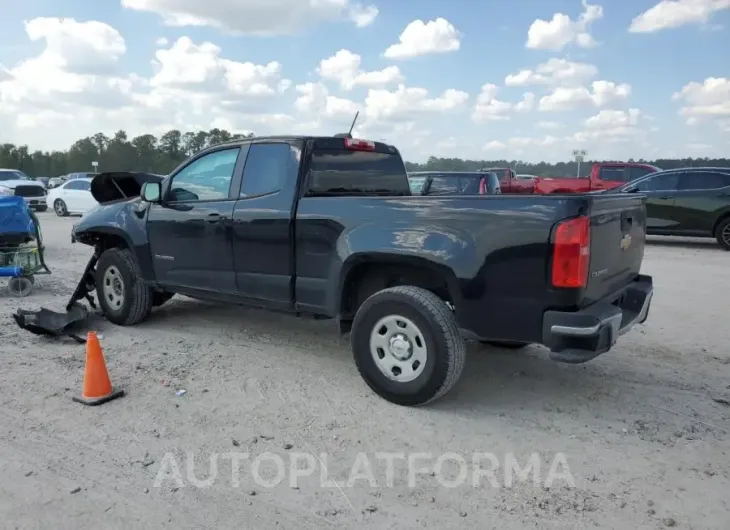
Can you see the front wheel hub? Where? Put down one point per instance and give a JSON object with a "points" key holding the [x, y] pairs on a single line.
{"points": [[398, 348]]}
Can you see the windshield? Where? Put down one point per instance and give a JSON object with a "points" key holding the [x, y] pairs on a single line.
{"points": [[6, 175]]}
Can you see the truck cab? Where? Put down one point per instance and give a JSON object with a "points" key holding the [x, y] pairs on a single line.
{"points": [[603, 176]]}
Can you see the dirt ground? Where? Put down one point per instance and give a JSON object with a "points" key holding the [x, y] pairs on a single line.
{"points": [[643, 430]]}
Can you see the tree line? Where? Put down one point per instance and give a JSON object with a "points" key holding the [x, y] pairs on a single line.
{"points": [[162, 154]]}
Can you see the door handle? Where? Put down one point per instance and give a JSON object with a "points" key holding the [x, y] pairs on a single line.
{"points": [[665, 197], [626, 222], [213, 218]]}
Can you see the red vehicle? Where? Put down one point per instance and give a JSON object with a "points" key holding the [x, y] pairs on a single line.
{"points": [[604, 176], [508, 181]]}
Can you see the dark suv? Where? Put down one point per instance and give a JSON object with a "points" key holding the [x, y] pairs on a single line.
{"points": [[691, 201]]}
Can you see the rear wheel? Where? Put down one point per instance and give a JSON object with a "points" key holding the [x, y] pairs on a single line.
{"points": [[722, 233], [60, 208], [122, 294], [407, 345]]}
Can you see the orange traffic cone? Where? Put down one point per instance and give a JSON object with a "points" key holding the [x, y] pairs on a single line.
{"points": [[97, 386]]}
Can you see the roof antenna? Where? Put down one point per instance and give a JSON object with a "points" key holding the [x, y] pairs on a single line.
{"points": [[349, 133]]}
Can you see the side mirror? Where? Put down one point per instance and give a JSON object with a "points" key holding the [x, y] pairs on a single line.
{"points": [[151, 192]]}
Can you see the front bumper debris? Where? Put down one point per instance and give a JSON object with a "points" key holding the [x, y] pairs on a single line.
{"points": [[56, 324]]}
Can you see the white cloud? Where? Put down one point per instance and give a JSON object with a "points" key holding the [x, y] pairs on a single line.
{"points": [[707, 100], [495, 145], [611, 126], [521, 142], [527, 103], [488, 107], [561, 30], [344, 68], [74, 85], [553, 72], [77, 66], [406, 103], [669, 14], [200, 67], [362, 15], [273, 17], [613, 119], [549, 125], [424, 38], [569, 98], [315, 99], [77, 47]]}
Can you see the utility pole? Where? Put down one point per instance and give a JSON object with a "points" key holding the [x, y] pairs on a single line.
{"points": [[579, 156]]}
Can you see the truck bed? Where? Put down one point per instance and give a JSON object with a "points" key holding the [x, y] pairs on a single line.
{"points": [[495, 249]]}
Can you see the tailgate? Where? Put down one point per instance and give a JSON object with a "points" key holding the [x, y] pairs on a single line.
{"points": [[618, 234]]}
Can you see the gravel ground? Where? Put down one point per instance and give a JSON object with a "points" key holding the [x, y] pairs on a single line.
{"points": [[643, 430]]}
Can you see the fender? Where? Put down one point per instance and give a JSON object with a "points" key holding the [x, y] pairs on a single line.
{"points": [[448, 251], [123, 221]]}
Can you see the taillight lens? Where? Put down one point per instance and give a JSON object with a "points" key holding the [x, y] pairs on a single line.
{"points": [[571, 253], [355, 144]]}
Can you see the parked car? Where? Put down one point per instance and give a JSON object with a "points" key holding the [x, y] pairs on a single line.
{"points": [[508, 181], [72, 197], [454, 183], [328, 227], [54, 182], [15, 182], [691, 201], [604, 176]]}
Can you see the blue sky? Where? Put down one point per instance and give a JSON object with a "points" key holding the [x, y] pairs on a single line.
{"points": [[657, 62]]}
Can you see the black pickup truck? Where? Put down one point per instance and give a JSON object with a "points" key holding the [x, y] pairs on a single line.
{"points": [[327, 227]]}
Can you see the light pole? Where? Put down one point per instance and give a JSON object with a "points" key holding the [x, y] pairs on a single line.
{"points": [[579, 156]]}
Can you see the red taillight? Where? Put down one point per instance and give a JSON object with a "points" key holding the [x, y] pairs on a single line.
{"points": [[359, 145], [482, 186], [571, 253]]}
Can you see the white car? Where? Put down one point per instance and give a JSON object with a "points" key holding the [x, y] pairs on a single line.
{"points": [[71, 197], [15, 182]]}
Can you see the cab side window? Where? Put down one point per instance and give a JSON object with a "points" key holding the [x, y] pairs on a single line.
{"points": [[668, 182], [206, 179], [615, 174], [704, 180], [268, 167], [636, 172]]}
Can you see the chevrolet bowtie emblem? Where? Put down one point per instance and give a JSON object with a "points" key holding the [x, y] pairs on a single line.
{"points": [[625, 242]]}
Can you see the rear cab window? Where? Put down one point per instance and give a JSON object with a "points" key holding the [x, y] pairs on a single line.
{"points": [[362, 168], [613, 173]]}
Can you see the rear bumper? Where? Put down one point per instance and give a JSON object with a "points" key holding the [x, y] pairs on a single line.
{"points": [[577, 337]]}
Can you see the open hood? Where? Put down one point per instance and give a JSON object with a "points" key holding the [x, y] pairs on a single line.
{"points": [[117, 185]]}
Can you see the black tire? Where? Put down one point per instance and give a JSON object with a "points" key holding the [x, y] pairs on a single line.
{"points": [[508, 345], [136, 298], [445, 348], [60, 208], [722, 234], [161, 297]]}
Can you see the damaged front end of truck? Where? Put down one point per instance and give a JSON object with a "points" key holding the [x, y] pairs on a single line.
{"points": [[119, 212]]}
